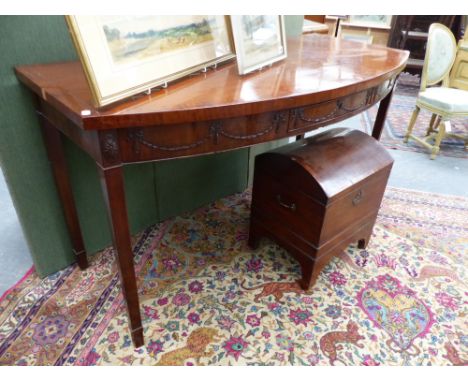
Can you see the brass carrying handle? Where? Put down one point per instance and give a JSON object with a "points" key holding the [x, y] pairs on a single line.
{"points": [[357, 198], [291, 206]]}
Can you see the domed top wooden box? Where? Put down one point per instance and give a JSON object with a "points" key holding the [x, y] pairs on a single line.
{"points": [[316, 196]]}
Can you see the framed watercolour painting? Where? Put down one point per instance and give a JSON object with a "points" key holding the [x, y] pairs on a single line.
{"points": [[126, 55], [260, 40]]}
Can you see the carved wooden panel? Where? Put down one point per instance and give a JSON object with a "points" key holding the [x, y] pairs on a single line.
{"points": [[459, 74], [165, 141], [173, 141], [312, 117], [110, 151], [249, 130]]}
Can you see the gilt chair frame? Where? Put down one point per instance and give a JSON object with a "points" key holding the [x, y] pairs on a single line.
{"points": [[439, 126]]}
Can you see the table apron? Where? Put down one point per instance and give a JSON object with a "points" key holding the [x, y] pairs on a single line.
{"points": [[141, 144], [115, 147]]}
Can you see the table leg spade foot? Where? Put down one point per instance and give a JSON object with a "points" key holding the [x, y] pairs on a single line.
{"points": [[82, 262], [137, 337], [82, 259]]}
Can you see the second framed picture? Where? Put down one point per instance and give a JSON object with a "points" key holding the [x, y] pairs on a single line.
{"points": [[260, 40]]}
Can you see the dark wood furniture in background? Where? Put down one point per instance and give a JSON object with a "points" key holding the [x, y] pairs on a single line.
{"points": [[316, 196], [315, 24], [333, 22], [322, 81], [459, 73], [410, 33]]}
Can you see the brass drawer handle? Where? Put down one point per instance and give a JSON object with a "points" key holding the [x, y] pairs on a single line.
{"points": [[291, 206], [357, 198]]}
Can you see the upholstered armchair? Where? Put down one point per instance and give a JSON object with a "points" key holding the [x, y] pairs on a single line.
{"points": [[443, 101]]}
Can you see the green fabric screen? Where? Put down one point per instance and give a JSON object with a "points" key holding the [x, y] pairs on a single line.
{"points": [[154, 191]]}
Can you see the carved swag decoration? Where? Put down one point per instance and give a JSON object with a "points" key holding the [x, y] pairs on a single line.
{"points": [[215, 130]]}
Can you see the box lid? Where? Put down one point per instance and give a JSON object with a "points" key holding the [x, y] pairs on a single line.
{"points": [[326, 164]]}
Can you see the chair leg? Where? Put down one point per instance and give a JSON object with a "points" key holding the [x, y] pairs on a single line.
{"points": [[412, 122], [440, 135], [435, 119]]}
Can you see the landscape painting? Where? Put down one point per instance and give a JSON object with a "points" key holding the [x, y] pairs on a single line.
{"points": [[137, 38], [126, 55], [259, 40], [260, 33]]}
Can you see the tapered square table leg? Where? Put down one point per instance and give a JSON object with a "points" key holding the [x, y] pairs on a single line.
{"points": [[113, 188], [54, 147], [381, 115]]}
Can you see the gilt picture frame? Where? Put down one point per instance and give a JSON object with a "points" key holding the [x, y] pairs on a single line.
{"points": [[260, 40], [126, 55]]}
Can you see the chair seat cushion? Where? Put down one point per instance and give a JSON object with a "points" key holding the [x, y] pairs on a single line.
{"points": [[448, 100]]}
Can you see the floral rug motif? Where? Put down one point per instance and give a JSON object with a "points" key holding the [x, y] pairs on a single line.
{"points": [[207, 299], [398, 117]]}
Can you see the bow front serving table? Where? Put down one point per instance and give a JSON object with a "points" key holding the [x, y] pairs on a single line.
{"points": [[324, 80]]}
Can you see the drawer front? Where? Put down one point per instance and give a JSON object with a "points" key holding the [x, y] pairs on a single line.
{"points": [[182, 140], [165, 141], [355, 207], [294, 210], [249, 130], [312, 117]]}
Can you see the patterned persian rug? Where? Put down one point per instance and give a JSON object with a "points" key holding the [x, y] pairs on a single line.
{"points": [[398, 117], [208, 300]]}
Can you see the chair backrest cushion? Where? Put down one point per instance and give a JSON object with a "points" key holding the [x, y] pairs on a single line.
{"points": [[440, 54]]}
